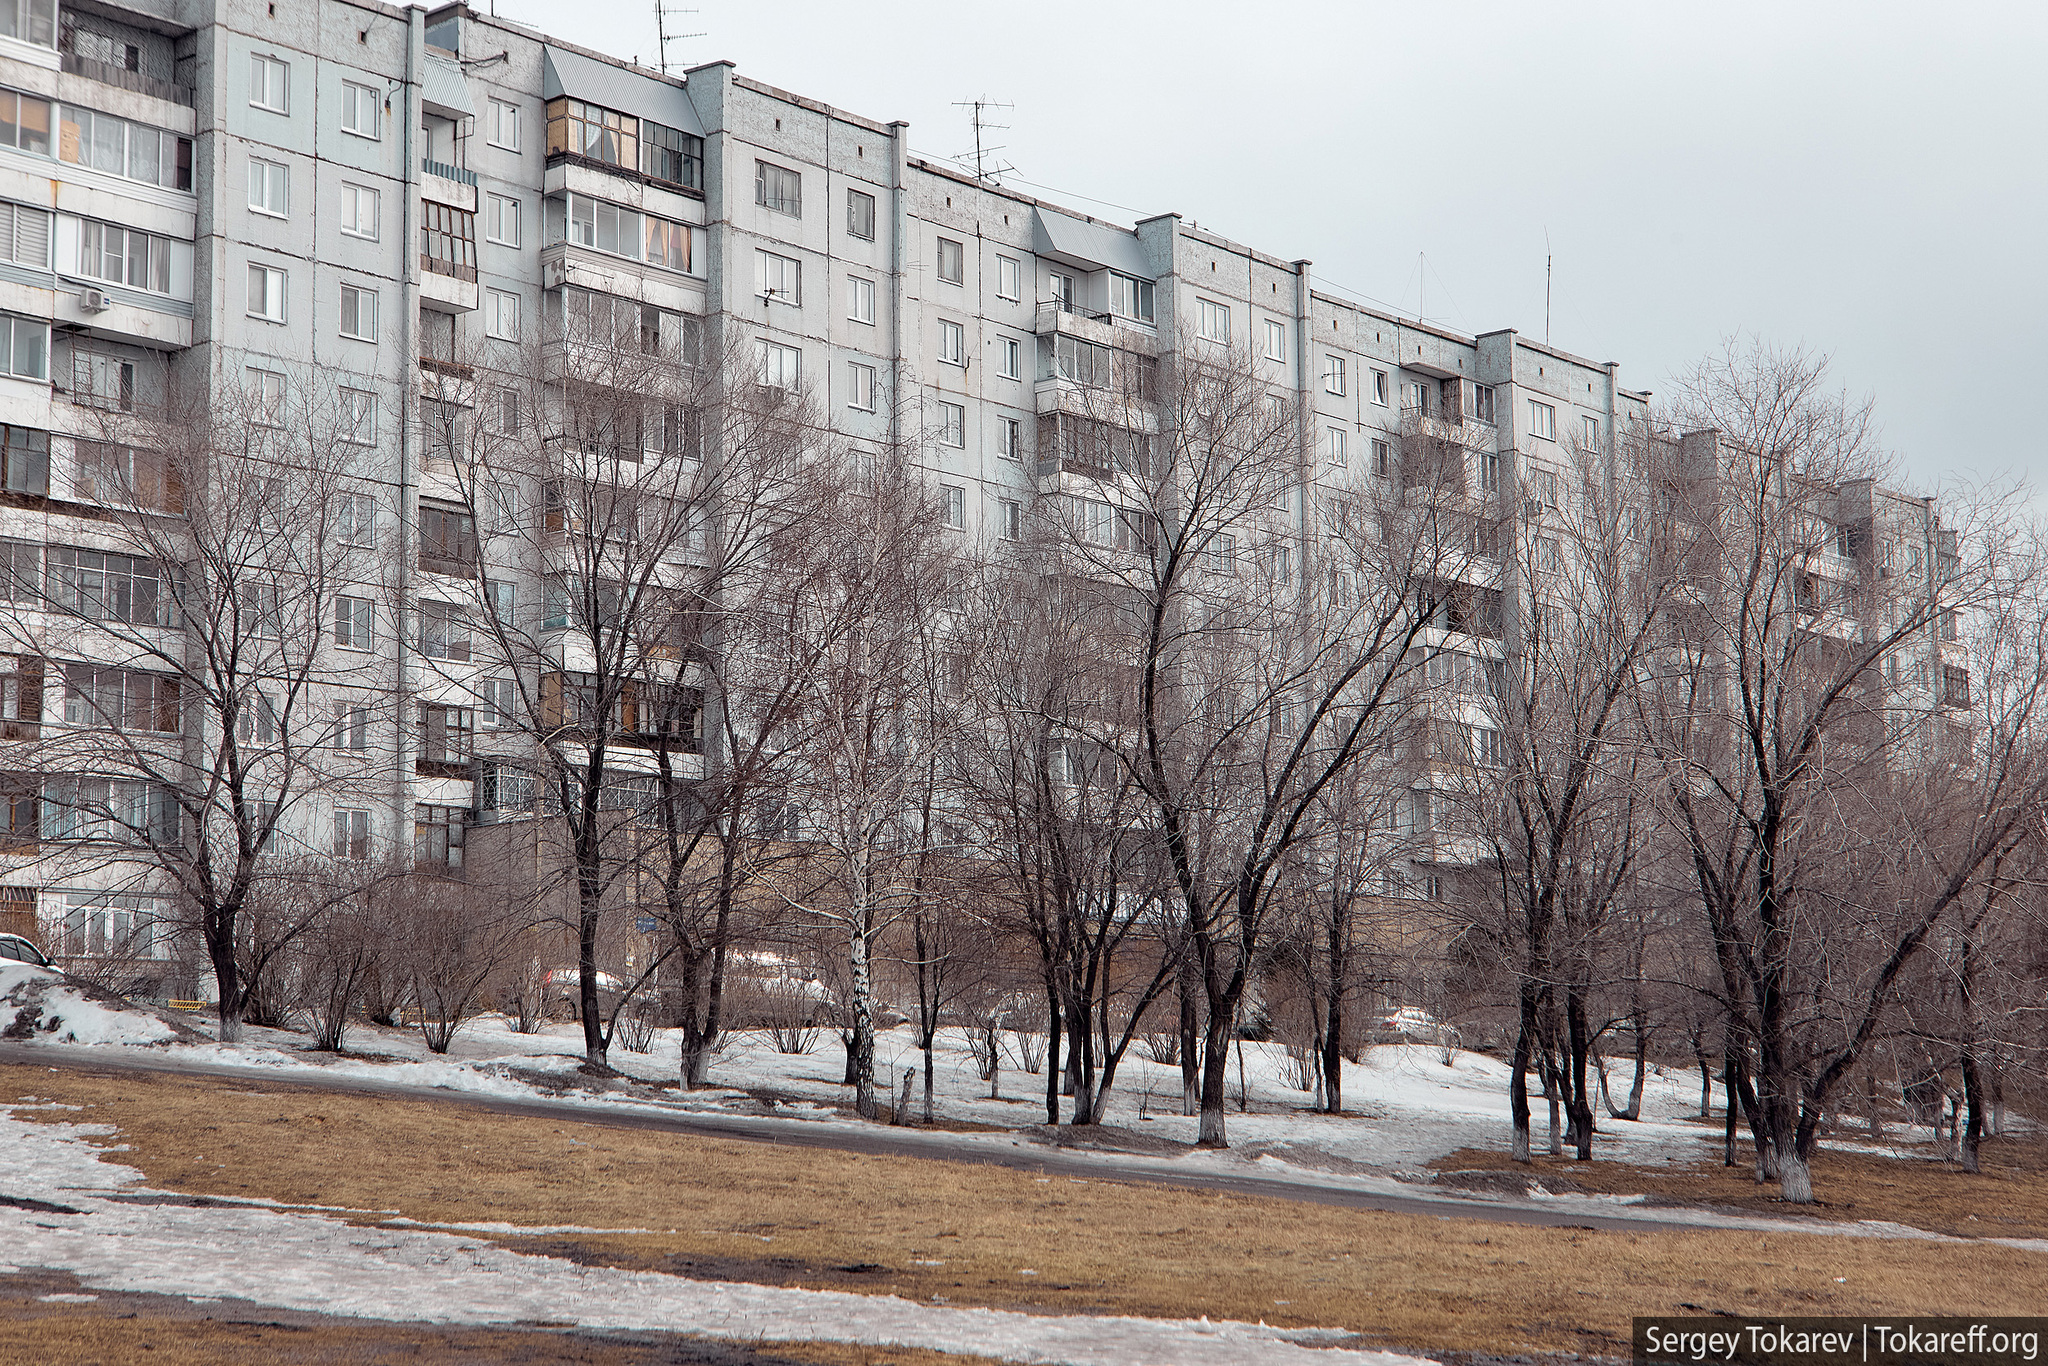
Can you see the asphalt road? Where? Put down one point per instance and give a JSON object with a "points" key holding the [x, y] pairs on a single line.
{"points": [[1022, 1154]]}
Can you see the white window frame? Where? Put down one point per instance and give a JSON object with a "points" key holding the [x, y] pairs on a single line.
{"points": [[1379, 387], [853, 194], [778, 277], [497, 209], [498, 304], [1009, 519], [1013, 358], [355, 98], [1336, 376], [362, 333], [1214, 319], [353, 198], [266, 392], [862, 387], [860, 299], [953, 425], [778, 366], [952, 343], [502, 114], [354, 624], [1276, 340], [266, 301], [358, 419], [1589, 431], [261, 70], [954, 512], [1339, 446], [1382, 457], [1010, 438], [959, 275], [1009, 277], [1542, 421], [264, 177]]}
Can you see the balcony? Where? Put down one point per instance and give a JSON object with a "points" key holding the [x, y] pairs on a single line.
{"points": [[1105, 328], [108, 74], [454, 186]]}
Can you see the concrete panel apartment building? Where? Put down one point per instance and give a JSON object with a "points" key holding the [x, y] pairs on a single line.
{"points": [[340, 200]]}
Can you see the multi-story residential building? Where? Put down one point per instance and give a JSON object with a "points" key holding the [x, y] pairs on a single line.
{"points": [[339, 201]]}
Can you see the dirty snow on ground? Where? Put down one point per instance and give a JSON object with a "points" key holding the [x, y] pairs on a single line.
{"points": [[39, 1004], [292, 1259]]}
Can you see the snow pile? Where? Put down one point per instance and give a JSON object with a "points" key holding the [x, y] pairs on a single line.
{"points": [[39, 1005], [307, 1261]]}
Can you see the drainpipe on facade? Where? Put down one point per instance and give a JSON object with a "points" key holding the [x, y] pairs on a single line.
{"points": [[408, 407], [899, 229]]}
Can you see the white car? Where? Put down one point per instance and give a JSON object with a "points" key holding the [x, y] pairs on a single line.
{"points": [[1415, 1023], [15, 949]]}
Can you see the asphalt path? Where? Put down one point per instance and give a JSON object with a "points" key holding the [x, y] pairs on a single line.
{"points": [[1021, 1154]]}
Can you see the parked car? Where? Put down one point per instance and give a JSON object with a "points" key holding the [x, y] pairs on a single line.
{"points": [[15, 949], [1412, 1022]]}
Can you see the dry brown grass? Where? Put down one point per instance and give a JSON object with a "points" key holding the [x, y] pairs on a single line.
{"points": [[925, 1229], [2007, 1199]]}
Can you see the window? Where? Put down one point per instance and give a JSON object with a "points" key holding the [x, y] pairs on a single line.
{"points": [[669, 245], [358, 416], [444, 632], [120, 699], [1546, 488], [268, 185], [1379, 387], [359, 211], [1542, 420], [952, 425], [1955, 686], [952, 261], [499, 699], [1009, 277], [354, 626], [1382, 457], [257, 611], [33, 21], [1415, 395], [1214, 320], [25, 460], [778, 188], [447, 539], [351, 727], [437, 837], [446, 734], [953, 506], [266, 397], [24, 234], [1333, 374], [1481, 402], [863, 392], [501, 314], [1589, 432], [501, 220], [359, 313], [1130, 297], [860, 299], [351, 833], [256, 719], [124, 256], [1339, 446], [952, 343], [355, 516], [780, 277], [860, 214], [1009, 438], [268, 84], [781, 366], [1009, 519], [1012, 358], [1081, 361], [134, 151], [447, 241], [1219, 556], [605, 135], [1276, 340], [105, 586], [501, 128], [266, 293], [502, 597], [1489, 471], [112, 472], [1062, 286], [361, 109], [24, 347]]}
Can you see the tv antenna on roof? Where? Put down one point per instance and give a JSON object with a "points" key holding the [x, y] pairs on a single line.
{"points": [[984, 167], [663, 12]]}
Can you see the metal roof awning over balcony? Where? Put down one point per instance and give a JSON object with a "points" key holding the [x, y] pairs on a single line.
{"points": [[629, 92], [1088, 246], [444, 89]]}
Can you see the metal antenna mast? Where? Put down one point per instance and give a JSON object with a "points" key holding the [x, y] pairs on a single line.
{"points": [[663, 12], [983, 168]]}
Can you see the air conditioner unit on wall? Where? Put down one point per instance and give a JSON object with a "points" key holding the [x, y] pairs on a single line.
{"points": [[95, 300]]}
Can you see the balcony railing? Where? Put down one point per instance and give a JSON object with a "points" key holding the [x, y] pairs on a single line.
{"points": [[107, 74], [460, 174], [437, 266]]}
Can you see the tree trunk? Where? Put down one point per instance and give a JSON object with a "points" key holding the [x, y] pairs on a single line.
{"points": [[1052, 1057], [862, 1055], [1728, 1136], [1635, 1090], [1215, 1077], [929, 1039], [1870, 1107], [1973, 1089], [227, 977], [1581, 1100], [1333, 1055], [1190, 1044], [1518, 1076], [594, 1049], [1699, 1055]]}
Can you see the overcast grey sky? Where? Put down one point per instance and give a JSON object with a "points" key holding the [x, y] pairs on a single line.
{"points": [[1867, 179]]}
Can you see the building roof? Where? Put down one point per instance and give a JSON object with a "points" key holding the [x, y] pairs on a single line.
{"points": [[1079, 242], [584, 78]]}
